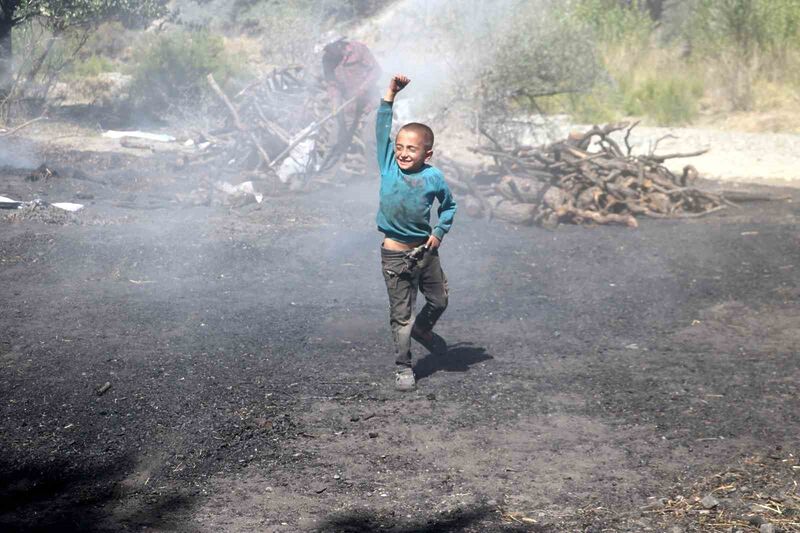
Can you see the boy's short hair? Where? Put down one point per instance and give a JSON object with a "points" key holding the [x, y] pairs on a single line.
{"points": [[423, 131]]}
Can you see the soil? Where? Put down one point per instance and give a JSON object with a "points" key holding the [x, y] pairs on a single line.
{"points": [[174, 367]]}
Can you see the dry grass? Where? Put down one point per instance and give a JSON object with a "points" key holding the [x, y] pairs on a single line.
{"points": [[759, 490], [658, 85]]}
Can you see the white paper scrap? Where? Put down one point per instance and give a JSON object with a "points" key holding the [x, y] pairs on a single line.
{"points": [[160, 137], [67, 206]]}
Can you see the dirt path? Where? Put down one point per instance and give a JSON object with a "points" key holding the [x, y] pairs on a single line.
{"points": [[598, 379]]}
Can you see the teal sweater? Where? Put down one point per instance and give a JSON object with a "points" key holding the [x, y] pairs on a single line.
{"points": [[406, 198]]}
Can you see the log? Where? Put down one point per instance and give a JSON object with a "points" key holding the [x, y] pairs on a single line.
{"points": [[473, 207], [599, 218], [522, 214], [554, 197], [520, 189], [659, 202]]}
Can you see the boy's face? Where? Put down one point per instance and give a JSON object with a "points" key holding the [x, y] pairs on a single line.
{"points": [[410, 152]]}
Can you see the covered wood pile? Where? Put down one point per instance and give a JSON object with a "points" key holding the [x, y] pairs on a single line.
{"points": [[279, 128], [585, 179]]}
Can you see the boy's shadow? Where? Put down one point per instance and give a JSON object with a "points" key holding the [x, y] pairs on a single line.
{"points": [[459, 358]]}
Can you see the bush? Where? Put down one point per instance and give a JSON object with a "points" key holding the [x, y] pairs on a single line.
{"points": [[172, 68], [745, 40], [612, 21], [91, 66], [666, 100]]}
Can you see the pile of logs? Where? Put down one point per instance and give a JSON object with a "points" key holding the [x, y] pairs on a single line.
{"points": [[584, 179]]}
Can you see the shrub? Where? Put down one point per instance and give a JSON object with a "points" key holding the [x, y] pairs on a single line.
{"points": [[92, 66], [666, 100], [612, 21], [172, 68], [745, 40]]}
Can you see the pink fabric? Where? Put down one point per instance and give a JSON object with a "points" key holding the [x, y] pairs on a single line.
{"points": [[357, 71]]}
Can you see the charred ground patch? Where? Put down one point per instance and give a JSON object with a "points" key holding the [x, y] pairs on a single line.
{"points": [[593, 371]]}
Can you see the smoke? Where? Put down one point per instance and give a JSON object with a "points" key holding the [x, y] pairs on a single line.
{"points": [[473, 62], [15, 153], [442, 45]]}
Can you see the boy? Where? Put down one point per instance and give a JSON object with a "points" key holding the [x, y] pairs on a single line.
{"points": [[409, 254]]}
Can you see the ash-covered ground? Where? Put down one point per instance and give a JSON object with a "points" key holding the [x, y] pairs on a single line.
{"points": [[599, 379]]}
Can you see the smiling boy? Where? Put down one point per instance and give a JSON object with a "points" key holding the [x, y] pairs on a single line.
{"points": [[410, 249]]}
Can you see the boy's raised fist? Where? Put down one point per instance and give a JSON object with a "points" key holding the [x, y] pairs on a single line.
{"points": [[398, 83]]}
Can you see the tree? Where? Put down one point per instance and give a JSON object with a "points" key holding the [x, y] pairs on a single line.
{"points": [[62, 15]]}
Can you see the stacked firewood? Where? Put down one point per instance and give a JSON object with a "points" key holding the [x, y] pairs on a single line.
{"points": [[584, 179]]}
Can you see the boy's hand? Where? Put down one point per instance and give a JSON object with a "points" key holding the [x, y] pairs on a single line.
{"points": [[397, 84], [433, 243]]}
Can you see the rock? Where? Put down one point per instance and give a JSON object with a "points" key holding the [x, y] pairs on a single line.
{"points": [[354, 418], [655, 504], [431, 396], [767, 528], [319, 488], [709, 502], [755, 521], [373, 434]]}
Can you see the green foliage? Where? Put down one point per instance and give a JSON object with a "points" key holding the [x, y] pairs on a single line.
{"points": [[612, 21], [667, 100], [61, 14], [92, 66], [746, 40], [173, 67], [601, 104], [536, 54], [110, 40], [749, 26]]}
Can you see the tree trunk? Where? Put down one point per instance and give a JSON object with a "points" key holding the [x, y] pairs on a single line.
{"points": [[6, 50]]}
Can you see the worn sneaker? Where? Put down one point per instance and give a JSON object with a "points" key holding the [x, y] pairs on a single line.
{"points": [[404, 379], [431, 341]]}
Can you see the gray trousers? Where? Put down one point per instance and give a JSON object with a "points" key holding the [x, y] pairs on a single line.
{"points": [[404, 277]]}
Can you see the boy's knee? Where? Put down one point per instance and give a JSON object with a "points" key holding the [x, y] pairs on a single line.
{"points": [[400, 320], [439, 301]]}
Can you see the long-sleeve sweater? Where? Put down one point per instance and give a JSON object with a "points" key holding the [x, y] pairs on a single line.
{"points": [[406, 198]]}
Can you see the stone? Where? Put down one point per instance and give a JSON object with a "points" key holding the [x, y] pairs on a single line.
{"points": [[767, 528], [709, 502]]}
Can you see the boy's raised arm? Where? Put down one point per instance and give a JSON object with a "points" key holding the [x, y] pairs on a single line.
{"points": [[383, 125]]}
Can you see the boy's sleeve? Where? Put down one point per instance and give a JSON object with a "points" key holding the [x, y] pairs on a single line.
{"points": [[447, 209], [383, 129]]}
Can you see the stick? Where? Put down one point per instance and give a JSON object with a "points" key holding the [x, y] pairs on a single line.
{"points": [[628, 135], [653, 214], [662, 158], [236, 120], [745, 196], [235, 114], [24, 125], [310, 129]]}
